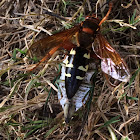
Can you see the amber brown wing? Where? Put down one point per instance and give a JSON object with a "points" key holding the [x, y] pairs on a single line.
{"points": [[62, 39], [111, 62]]}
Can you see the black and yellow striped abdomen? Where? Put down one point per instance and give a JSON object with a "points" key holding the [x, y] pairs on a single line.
{"points": [[76, 68]]}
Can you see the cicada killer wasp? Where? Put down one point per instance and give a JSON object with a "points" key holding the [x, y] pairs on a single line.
{"points": [[79, 41]]}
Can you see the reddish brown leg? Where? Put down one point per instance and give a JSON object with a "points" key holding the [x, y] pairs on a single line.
{"points": [[46, 57]]}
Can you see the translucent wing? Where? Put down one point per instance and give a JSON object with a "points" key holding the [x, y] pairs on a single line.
{"points": [[64, 39], [46, 47], [111, 62]]}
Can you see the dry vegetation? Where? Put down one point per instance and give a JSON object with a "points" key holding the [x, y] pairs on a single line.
{"points": [[29, 108]]}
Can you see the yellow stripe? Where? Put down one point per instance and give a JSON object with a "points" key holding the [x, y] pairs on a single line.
{"points": [[69, 65], [73, 52], [67, 61], [68, 75], [83, 69], [87, 55], [79, 77]]}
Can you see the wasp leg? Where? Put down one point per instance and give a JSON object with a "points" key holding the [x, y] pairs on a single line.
{"points": [[48, 55]]}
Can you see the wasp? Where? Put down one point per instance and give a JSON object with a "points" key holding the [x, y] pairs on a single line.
{"points": [[80, 40]]}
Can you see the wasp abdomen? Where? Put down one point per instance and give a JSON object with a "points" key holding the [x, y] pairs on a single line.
{"points": [[76, 68]]}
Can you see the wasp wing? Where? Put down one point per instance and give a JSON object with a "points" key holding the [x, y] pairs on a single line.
{"points": [[111, 62], [64, 39]]}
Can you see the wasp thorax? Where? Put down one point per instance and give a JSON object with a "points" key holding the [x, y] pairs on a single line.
{"points": [[88, 32]]}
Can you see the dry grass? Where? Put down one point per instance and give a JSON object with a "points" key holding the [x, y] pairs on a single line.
{"points": [[29, 108]]}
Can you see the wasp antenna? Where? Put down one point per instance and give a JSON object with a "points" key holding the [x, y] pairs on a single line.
{"points": [[110, 7]]}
